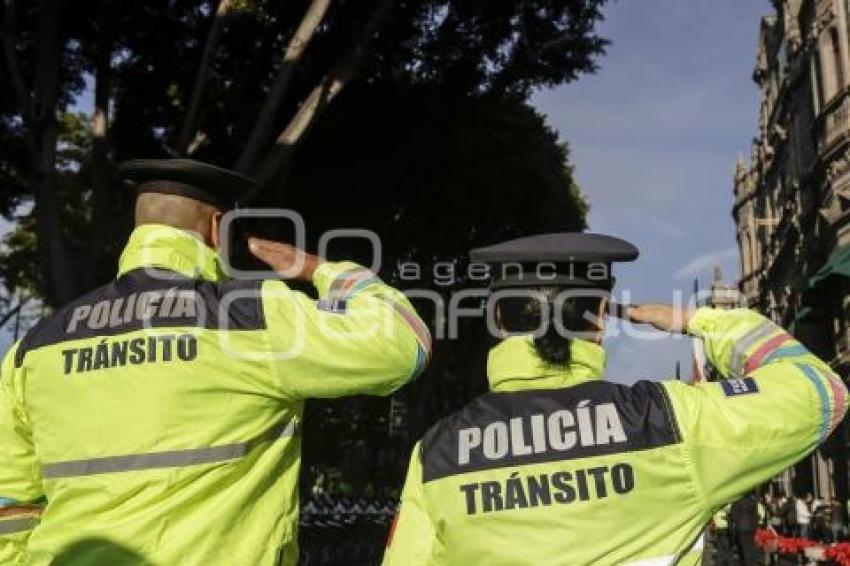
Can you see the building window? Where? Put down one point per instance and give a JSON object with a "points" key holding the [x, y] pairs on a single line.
{"points": [[753, 250], [746, 261], [838, 65], [818, 82]]}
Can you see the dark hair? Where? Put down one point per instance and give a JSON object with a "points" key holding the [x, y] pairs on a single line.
{"points": [[523, 314]]}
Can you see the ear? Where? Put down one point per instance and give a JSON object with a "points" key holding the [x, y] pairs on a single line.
{"points": [[600, 316], [215, 225], [500, 322], [498, 317]]}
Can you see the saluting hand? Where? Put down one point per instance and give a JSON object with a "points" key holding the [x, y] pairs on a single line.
{"points": [[662, 317], [287, 260]]}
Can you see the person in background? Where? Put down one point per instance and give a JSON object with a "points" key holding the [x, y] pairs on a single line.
{"points": [[776, 519], [836, 520], [744, 513], [819, 523], [762, 512], [804, 516], [790, 516]]}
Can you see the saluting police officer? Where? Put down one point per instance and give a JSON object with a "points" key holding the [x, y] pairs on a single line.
{"points": [[159, 416], [555, 467]]}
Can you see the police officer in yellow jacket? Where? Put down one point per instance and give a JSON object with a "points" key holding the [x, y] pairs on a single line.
{"points": [[555, 467], [157, 419]]}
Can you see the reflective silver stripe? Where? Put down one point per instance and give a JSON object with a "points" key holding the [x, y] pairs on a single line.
{"points": [[699, 544], [168, 459], [17, 525], [667, 560], [739, 352], [670, 559]]}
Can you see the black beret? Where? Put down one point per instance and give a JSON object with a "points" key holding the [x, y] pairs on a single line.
{"points": [[572, 259], [189, 178]]}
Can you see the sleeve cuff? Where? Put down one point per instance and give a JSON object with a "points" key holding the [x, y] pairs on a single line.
{"points": [[703, 321]]}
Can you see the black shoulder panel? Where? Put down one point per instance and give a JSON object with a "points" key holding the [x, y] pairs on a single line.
{"points": [[238, 304], [146, 298], [528, 427]]}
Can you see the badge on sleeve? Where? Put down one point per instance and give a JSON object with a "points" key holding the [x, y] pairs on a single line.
{"points": [[739, 386], [338, 306]]}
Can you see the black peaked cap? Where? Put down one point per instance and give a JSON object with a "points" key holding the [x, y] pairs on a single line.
{"points": [[189, 178], [575, 259]]}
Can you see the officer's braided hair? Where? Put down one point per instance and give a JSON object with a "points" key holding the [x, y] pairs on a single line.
{"points": [[523, 314]]}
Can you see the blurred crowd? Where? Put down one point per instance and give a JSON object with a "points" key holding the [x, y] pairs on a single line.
{"points": [[822, 520], [794, 516]]}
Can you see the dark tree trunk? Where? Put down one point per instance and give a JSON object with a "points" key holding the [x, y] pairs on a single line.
{"points": [[189, 132], [59, 279], [11, 56]]}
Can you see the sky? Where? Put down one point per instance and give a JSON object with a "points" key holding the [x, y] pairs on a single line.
{"points": [[654, 136]]}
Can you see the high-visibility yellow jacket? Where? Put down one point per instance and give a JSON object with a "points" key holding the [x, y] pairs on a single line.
{"points": [[156, 420], [556, 467]]}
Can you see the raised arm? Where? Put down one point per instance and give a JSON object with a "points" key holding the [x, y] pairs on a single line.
{"points": [[361, 337], [778, 402], [21, 495]]}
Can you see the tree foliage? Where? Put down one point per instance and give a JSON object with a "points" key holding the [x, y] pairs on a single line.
{"points": [[139, 61]]}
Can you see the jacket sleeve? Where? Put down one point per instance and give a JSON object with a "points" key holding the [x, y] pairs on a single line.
{"points": [[412, 536], [777, 403], [21, 494], [361, 337]]}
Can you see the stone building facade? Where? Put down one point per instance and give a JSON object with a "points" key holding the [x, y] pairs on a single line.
{"points": [[792, 199]]}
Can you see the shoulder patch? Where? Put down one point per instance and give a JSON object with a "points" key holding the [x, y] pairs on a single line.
{"points": [[338, 306], [739, 386]]}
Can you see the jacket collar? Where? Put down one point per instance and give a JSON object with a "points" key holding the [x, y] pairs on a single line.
{"points": [[164, 247], [514, 365]]}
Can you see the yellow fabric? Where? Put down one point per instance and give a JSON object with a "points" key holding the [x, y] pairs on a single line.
{"points": [[239, 403], [157, 245], [731, 440], [751, 438], [513, 365], [20, 481]]}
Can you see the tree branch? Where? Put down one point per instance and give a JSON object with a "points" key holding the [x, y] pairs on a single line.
{"points": [[11, 54], [278, 158], [7, 316], [187, 134], [297, 45]]}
